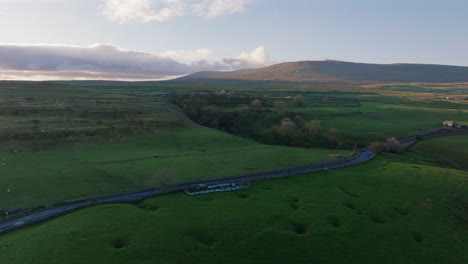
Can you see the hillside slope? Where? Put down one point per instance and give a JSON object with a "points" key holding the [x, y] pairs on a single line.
{"points": [[338, 71]]}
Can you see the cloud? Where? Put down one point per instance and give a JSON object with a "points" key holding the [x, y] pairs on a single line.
{"points": [[248, 60], [46, 62], [96, 61], [143, 11], [188, 56], [124, 11], [216, 8]]}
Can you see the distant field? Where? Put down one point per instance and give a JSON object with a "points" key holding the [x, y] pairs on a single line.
{"points": [[383, 211], [36, 122], [354, 128], [17, 88], [417, 116], [37, 177], [454, 148]]}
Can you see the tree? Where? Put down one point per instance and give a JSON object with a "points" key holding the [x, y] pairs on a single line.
{"points": [[333, 136], [393, 145], [313, 128], [35, 126], [287, 127], [280, 107], [298, 100], [164, 178], [256, 104], [325, 100], [377, 146], [288, 133]]}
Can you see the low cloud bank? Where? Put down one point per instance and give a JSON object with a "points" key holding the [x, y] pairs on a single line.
{"points": [[47, 62]]}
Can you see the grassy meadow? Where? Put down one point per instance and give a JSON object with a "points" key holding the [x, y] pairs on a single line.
{"points": [[454, 148], [45, 176], [384, 211], [70, 140]]}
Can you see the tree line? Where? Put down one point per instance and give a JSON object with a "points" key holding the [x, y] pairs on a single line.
{"points": [[257, 117]]}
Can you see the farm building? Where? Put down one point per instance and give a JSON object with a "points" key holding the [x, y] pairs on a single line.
{"points": [[448, 123]]}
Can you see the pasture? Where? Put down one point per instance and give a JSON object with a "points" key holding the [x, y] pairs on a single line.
{"points": [[72, 140], [454, 148], [44, 176], [384, 211]]}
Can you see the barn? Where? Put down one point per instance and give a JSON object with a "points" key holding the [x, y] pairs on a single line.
{"points": [[448, 123]]}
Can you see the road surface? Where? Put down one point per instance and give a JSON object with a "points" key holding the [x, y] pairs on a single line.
{"points": [[363, 156], [129, 197]]}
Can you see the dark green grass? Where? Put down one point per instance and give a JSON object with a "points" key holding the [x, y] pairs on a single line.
{"points": [[36, 177], [420, 117], [454, 148], [355, 128], [50, 89], [395, 209], [380, 212]]}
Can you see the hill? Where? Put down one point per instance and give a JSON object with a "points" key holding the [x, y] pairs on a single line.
{"points": [[205, 75], [338, 71]]}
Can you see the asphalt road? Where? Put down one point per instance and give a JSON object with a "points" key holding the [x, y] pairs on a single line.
{"points": [[47, 214], [129, 197]]}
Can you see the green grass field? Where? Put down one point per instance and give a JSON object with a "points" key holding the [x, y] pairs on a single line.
{"points": [[454, 148], [354, 127], [395, 209], [384, 211], [421, 117], [37, 177]]}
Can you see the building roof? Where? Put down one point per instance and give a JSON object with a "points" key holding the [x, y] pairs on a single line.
{"points": [[449, 122]]}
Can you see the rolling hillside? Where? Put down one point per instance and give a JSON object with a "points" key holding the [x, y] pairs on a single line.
{"points": [[338, 71]]}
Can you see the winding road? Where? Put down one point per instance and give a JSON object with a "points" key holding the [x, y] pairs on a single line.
{"points": [[67, 207]]}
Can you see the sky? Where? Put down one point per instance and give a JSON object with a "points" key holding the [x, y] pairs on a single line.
{"points": [[161, 39]]}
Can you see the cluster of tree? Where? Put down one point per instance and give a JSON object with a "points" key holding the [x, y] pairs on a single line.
{"points": [[261, 120], [199, 99], [391, 145], [297, 132]]}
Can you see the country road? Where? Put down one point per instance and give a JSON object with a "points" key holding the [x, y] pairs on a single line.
{"points": [[128, 197], [362, 156]]}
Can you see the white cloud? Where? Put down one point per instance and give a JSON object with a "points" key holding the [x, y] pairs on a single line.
{"points": [[188, 56], [45, 62], [96, 61], [143, 11], [216, 8], [124, 11], [248, 60]]}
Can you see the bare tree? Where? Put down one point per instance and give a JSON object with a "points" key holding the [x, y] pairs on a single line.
{"points": [[314, 127], [35, 126], [280, 107], [164, 178], [333, 135], [325, 100], [393, 145], [298, 100], [256, 104], [377, 146], [287, 127]]}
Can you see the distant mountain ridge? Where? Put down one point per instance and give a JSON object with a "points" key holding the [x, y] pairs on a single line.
{"points": [[339, 71]]}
